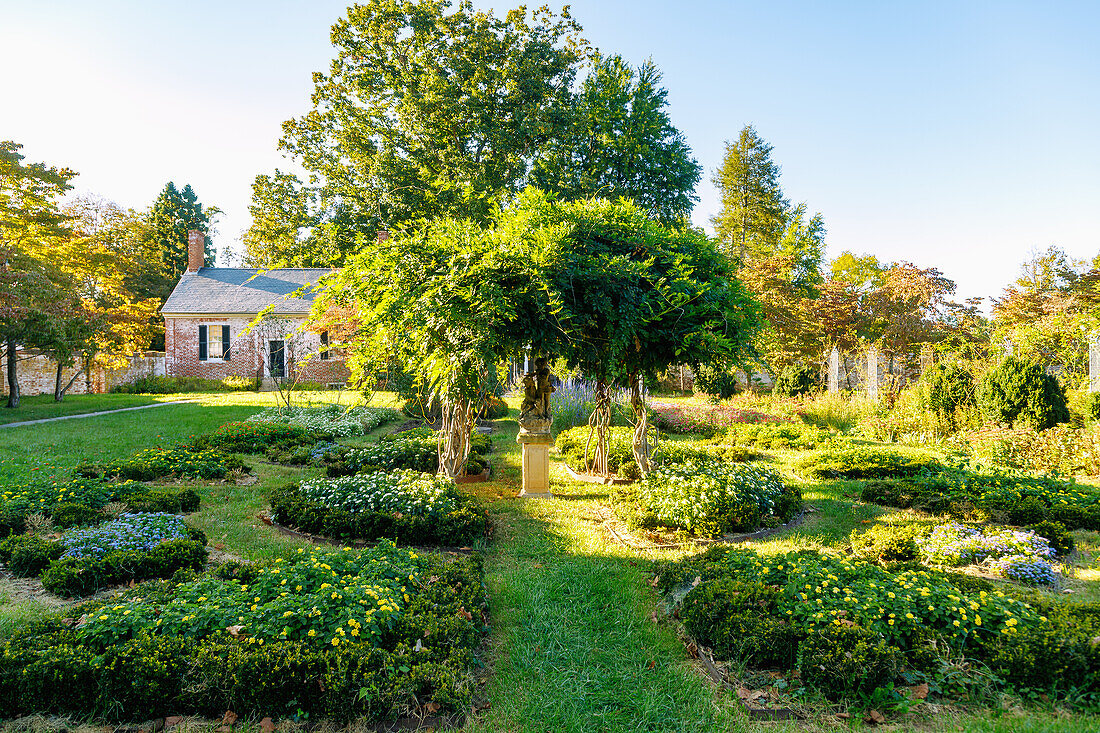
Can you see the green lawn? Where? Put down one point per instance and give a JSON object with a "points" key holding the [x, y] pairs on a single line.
{"points": [[42, 406], [573, 646]]}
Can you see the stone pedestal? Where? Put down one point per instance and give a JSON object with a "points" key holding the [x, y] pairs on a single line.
{"points": [[834, 371], [872, 374], [1094, 365], [534, 436]]}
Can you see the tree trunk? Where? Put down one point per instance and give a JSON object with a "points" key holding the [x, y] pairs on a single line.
{"points": [[454, 437], [643, 451], [58, 392], [13, 377], [598, 423]]}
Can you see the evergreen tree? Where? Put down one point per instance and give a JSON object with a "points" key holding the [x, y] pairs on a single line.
{"points": [[621, 143], [754, 210], [173, 214]]}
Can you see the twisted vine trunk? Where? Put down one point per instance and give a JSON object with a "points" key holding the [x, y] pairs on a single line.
{"points": [[598, 423], [643, 451], [454, 436]]}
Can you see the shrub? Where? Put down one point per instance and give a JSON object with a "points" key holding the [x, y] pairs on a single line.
{"points": [[1055, 534], [572, 442], [795, 380], [712, 498], [707, 420], [336, 634], [946, 388], [738, 621], [865, 463], [1092, 406], [175, 385], [401, 505], [163, 500], [1061, 449], [716, 382], [255, 437], [494, 408], [889, 542], [72, 514], [778, 437], [81, 576], [154, 463], [139, 532], [27, 555], [330, 421], [1016, 391], [847, 661]]}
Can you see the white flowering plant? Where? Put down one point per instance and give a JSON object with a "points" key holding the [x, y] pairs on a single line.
{"points": [[330, 420]]}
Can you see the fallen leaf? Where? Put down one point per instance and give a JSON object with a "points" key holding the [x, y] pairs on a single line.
{"points": [[654, 618], [697, 581], [229, 718], [693, 650], [234, 631], [432, 708], [874, 717], [219, 545], [744, 693], [656, 579], [843, 716], [463, 613], [173, 720], [652, 663], [919, 692], [267, 725], [223, 729]]}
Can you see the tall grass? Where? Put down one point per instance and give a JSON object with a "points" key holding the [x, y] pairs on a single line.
{"points": [[837, 411]]}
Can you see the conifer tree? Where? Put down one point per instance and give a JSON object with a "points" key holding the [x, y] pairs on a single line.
{"points": [[754, 210], [173, 214]]}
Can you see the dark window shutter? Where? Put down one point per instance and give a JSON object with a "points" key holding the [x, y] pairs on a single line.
{"points": [[325, 355], [202, 342], [225, 342]]}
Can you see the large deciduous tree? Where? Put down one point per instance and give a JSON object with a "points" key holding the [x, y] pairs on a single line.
{"points": [[29, 220], [621, 143], [425, 111]]}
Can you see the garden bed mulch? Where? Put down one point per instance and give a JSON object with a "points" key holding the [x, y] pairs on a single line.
{"points": [[618, 529]]}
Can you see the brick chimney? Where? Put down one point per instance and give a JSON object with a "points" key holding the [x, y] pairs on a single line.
{"points": [[196, 250]]}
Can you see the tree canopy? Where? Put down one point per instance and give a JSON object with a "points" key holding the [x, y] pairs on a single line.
{"points": [[173, 214], [620, 142]]}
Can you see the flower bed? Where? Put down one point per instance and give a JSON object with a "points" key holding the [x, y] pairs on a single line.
{"points": [[132, 547], [1061, 449], [416, 449], [779, 437], [984, 494], [707, 419], [1015, 554], [850, 626], [83, 497], [255, 436], [866, 463], [709, 498], [328, 421], [156, 463], [338, 634], [403, 505]]}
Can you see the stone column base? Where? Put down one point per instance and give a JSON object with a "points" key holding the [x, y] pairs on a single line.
{"points": [[536, 460]]}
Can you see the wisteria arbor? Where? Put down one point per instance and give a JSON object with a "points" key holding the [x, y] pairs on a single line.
{"points": [[595, 282]]}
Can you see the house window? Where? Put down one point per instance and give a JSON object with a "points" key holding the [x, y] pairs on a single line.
{"points": [[213, 342], [325, 355]]}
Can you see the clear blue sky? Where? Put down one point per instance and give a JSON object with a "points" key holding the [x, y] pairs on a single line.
{"points": [[959, 135]]}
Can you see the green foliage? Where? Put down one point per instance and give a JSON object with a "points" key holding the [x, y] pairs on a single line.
{"points": [[989, 495], [1092, 406], [948, 387], [178, 385], [865, 463], [844, 662], [328, 421], [1056, 534], [173, 214], [774, 436], [620, 143], [794, 380], [412, 645], [153, 463], [28, 555], [711, 498], [718, 382], [1016, 391], [72, 514], [494, 408], [449, 518], [738, 620], [163, 500], [255, 437], [887, 543], [75, 577]]}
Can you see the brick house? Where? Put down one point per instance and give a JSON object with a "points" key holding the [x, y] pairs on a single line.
{"points": [[206, 315]]}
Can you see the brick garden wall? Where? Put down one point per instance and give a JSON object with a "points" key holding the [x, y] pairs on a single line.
{"points": [[38, 371]]}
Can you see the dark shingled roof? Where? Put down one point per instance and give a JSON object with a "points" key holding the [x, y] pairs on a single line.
{"points": [[240, 290]]}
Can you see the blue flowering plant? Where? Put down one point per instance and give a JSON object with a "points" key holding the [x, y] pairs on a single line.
{"points": [[130, 532], [1012, 553]]}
